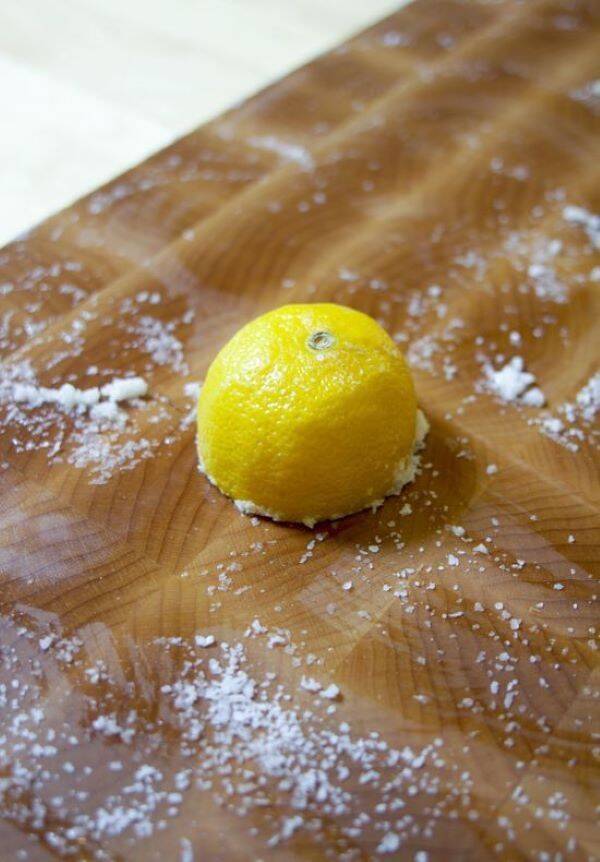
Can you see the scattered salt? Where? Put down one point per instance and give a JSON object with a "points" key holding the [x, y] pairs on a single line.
{"points": [[288, 151], [567, 429], [590, 222], [125, 388], [69, 398], [511, 383]]}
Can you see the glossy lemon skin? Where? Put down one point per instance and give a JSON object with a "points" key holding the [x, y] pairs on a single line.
{"points": [[306, 413]]}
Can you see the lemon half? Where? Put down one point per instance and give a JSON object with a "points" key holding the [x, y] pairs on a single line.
{"points": [[309, 413]]}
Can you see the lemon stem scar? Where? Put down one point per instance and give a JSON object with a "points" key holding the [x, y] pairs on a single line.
{"points": [[321, 340]]}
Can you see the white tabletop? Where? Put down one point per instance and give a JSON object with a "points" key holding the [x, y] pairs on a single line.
{"points": [[90, 87]]}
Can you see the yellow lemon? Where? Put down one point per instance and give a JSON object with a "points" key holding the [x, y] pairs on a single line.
{"points": [[309, 413]]}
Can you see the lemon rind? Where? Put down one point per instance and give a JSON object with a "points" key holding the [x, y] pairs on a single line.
{"points": [[404, 474]]}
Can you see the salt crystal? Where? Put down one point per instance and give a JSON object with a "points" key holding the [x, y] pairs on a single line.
{"points": [[204, 641], [388, 844], [511, 382], [287, 150], [125, 388], [156, 339], [394, 38], [331, 692], [192, 389], [67, 396], [310, 684], [534, 397], [106, 411], [585, 219], [186, 850], [26, 393], [291, 825], [255, 628]]}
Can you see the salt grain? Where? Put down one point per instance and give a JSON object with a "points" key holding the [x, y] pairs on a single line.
{"points": [[585, 219], [388, 844], [511, 383], [331, 692], [125, 388]]}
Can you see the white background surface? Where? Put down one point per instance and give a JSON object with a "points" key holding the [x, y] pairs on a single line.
{"points": [[90, 87]]}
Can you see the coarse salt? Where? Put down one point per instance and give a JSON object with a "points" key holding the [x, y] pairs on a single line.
{"points": [[512, 383]]}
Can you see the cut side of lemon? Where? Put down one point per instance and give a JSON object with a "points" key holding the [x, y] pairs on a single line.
{"points": [[309, 413]]}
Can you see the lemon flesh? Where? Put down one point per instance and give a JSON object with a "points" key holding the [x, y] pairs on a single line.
{"points": [[309, 413]]}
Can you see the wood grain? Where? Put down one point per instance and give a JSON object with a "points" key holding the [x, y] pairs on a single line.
{"points": [[420, 173]]}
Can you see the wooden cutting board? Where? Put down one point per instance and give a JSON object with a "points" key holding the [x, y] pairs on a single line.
{"points": [[439, 172]]}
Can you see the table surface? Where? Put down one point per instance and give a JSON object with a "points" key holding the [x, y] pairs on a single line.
{"points": [[440, 172], [92, 86]]}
